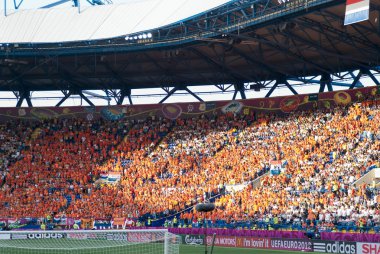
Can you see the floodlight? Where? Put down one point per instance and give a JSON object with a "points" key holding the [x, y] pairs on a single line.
{"points": [[144, 36], [140, 36], [149, 35], [135, 37], [127, 38]]}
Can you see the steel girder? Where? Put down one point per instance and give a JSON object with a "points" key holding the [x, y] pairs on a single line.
{"points": [[326, 80], [239, 88], [170, 92], [24, 95]]}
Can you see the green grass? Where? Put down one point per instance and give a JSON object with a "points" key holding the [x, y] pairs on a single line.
{"points": [[113, 247], [188, 249], [184, 249]]}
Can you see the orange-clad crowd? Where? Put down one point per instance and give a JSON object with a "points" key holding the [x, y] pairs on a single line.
{"points": [[58, 163], [53, 168]]}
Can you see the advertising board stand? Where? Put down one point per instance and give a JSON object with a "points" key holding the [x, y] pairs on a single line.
{"points": [[205, 208]]}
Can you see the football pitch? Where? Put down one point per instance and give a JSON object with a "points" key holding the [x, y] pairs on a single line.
{"points": [[186, 249], [65, 246]]}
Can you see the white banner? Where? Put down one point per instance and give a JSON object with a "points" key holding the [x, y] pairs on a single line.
{"points": [[368, 248], [80, 236], [5, 236]]}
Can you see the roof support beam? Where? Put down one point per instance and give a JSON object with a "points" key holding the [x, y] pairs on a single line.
{"points": [[194, 95], [239, 87], [283, 48], [124, 93], [17, 4], [359, 84], [130, 99], [325, 81], [254, 62], [290, 87], [19, 102], [107, 98], [55, 4], [28, 100], [64, 99], [344, 36], [221, 67], [86, 99], [272, 89], [329, 84], [322, 87], [356, 80], [374, 79], [234, 96], [170, 93], [337, 35], [24, 95], [281, 80]]}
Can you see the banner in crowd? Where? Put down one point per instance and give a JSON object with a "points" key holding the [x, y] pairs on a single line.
{"points": [[254, 107], [118, 222], [102, 224], [356, 11]]}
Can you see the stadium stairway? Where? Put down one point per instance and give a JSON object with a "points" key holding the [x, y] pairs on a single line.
{"points": [[68, 199], [36, 133]]}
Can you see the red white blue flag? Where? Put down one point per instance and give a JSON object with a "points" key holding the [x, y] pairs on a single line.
{"points": [[356, 11]]}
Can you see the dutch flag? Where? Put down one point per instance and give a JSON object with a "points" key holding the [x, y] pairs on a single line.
{"points": [[356, 11]]}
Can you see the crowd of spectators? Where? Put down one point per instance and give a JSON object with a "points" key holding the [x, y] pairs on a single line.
{"points": [[326, 152], [57, 167], [13, 139], [166, 166]]}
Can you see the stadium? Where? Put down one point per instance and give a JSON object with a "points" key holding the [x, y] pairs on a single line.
{"points": [[188, 126]]}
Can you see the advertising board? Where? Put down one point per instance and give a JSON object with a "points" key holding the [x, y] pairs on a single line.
{"points": [[45, 236], [78, 236], [291, 244], [334, 247], [5, 236], [368, 248], [193, 239], [19, 236], [253, 242]]}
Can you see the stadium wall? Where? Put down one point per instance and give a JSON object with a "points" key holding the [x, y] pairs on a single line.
{"points": [[277, 105]]}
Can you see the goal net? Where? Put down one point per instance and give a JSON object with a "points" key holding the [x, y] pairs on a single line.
{"points": [[153, 241]]}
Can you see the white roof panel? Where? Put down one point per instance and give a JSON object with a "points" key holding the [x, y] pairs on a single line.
{"points": [[99, 22]]}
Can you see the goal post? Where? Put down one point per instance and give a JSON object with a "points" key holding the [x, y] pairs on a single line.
{"points": [[146, 241]]}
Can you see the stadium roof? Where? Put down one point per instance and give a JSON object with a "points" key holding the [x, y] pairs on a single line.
{"points": [[101, 22], [243, 42]]}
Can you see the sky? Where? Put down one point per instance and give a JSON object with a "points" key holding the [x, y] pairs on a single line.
{"points": [[139, 96]]}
